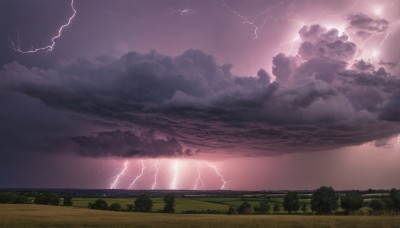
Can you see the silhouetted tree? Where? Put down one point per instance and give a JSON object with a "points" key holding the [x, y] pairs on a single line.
{"points": [[291, 202], [264, 207], [378, 206], [352, 201], [130, 207], [67, 201], [395, 197], [277, 208], [115, 207], [231, 210], [245, 208], [143, 203], [20, 199], [100, 204], [304, 207], [169, 201], [47, 198], [7, 197], [324, 200]]}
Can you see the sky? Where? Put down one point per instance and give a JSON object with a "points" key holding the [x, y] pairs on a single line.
{"points": [[213, 94]]}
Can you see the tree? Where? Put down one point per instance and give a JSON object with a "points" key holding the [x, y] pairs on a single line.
{"points": [[395, 197], [7, 197], [245, 208], [169, 201], [115, 207], [277, 208], [264, 207], [67, 201], [231, 211], [130, 207], [143, 203], [47, 198], [20, 199], [378, 205], [324, 200], [304, 207], [352, 201], [291, 202], [100, 204]]}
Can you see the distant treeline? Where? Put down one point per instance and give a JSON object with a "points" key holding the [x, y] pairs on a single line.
{"points": [[324, 200]]}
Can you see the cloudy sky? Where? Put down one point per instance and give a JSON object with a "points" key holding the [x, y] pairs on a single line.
{"points": [[214, 94]]}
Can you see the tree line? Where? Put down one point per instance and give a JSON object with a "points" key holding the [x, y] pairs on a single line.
{"points": [[326, 201]]}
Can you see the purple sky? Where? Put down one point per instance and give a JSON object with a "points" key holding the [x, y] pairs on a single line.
{"points": [[208, 94]]}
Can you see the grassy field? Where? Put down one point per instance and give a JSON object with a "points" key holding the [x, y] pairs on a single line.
{"points": [[220, 205], [30, 215]]}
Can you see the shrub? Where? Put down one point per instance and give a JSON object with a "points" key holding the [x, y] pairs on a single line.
{"points": [[324, 200], [100, 204], [47, 198], [143, 203], [245, 208], [67, 201], [115, 207]]}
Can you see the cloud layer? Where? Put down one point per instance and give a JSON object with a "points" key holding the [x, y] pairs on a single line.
{"points": [[156, 105]]}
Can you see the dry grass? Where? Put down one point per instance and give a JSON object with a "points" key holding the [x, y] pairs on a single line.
{"points": [[58, 216]]}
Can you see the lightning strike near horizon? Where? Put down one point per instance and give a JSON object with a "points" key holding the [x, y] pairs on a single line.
{"points": [[215, 168], [156, 167], [198, 179], [175, 171], [140, 175], [116, 181], [51, 46]]}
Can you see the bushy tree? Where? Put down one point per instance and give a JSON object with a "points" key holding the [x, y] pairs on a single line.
{"points": [[21, 199], [7, 197], [143, 203], [115, 207], [169, 201], [67, 201], [100, 204], [277, 208], [395, 197], [47, 198], [324, 200], [352, 201], [245, 208], [130, 207], [231, 210], [304, 207], [13, 198], [291, 202], [264, 207], [378, 205]]}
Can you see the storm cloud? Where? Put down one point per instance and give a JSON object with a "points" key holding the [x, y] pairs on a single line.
{"points": [[150, 105]]}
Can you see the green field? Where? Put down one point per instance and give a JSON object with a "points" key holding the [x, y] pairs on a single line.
{"points": [[30, 215], [220, 205]]}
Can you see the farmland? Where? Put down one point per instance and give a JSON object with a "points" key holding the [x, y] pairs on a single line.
{"points": [[30, 215]]}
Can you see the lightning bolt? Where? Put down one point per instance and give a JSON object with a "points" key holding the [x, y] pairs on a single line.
{"points": [[216, 170], [143, 167], [183, 12], [116, 181], [49, 47], [198, 179], [156, 167], [252, 22], [175, 171]]}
